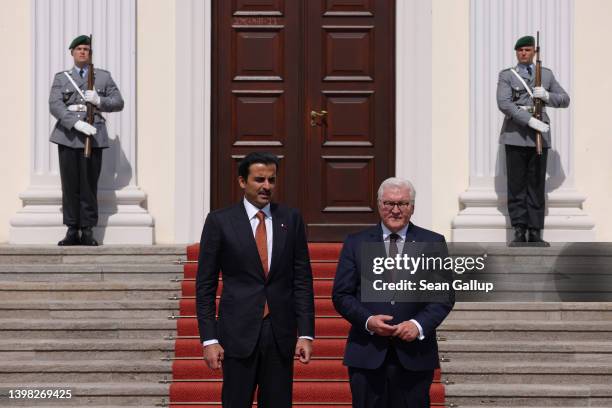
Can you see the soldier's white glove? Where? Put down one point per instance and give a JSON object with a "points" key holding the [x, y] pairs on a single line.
{"points": [[541, 93], [538, 125], [92, 97], [86, 128]]}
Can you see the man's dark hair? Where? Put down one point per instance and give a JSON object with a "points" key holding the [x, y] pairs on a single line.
{"points": [[256, 157]]}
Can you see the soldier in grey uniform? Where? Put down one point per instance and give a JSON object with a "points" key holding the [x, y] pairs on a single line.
{"points": [[526, 170], [79, 175]]}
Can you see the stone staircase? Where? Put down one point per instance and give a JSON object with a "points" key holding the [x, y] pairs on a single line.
{"points": [[90, 320], [96, 321], [534, 354]]}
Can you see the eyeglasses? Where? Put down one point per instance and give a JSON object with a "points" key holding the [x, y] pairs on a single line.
{"points": [[402, 205]]}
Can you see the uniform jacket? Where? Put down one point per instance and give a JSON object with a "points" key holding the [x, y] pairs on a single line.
{"points": [[228, 245], [364, 350], [511, 94], [64, 94]]}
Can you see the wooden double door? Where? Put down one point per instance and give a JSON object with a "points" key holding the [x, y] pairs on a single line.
{"points": [[312, 81]]}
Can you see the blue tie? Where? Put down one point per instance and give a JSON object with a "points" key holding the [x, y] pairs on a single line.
{"points": [[82, 73]]}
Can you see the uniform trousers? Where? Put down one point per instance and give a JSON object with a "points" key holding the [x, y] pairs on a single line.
{"points": [[265, 369], [79, 186], [526, 174], [390, 385]]}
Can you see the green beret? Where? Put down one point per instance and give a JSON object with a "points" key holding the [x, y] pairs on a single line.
{"points": [[526, 41], [80, 40]]}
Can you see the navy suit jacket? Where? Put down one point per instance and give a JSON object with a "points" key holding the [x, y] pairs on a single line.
{"points": [[364, 350], [228, 245]]}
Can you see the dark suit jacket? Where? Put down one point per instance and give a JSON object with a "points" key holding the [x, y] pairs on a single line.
{"points": [[364, 350], [228, 245]]}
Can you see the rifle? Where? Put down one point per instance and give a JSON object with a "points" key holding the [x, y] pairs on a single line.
{"points": [[90, 106], [537, 102]]}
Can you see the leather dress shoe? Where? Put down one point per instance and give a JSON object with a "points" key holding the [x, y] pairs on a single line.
{"points": [[87, 238], [71, 238], [535, 239], [519, 236]]}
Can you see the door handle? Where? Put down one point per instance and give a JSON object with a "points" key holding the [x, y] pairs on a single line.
{"points": [[314, 115]]}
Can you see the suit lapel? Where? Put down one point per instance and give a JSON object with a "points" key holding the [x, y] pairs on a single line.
{"points": [[412, 246], [279, 236], [244, 235], [376, 236]]}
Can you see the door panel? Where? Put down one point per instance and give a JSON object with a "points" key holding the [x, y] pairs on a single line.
{"points": [[350, 76], [255, 92], [277, 61]]}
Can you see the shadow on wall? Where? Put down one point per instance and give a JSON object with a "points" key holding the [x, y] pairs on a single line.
{"points": [[116, 174]]}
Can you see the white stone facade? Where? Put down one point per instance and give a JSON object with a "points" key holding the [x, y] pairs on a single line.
{"points": [[156, 182]]}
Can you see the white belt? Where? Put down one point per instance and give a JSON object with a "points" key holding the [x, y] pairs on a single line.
{"points": [[77, 108]]}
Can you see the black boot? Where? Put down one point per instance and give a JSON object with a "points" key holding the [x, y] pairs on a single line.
{"points": [[535, 239], [71, 238], [87, 238], [519, 236]]}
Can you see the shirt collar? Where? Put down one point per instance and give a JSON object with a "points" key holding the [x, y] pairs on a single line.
{"points": [[251, 210], [386, 232], [77, 69], [523, 67]]}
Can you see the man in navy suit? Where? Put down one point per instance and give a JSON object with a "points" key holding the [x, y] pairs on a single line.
{"points": [[391, 351], [267, 299]]}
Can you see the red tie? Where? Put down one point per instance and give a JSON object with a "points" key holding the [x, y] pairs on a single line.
{"points": [[261, 239]]}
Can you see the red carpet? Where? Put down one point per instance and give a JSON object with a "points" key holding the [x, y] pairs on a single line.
{"points": [[323, 382]]}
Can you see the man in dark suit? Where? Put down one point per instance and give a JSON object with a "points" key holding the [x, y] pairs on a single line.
{"points": [[267, 299], [391, 351]]}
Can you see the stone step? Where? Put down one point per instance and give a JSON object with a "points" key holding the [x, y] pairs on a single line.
{"points": [[91, 371], [88, 272], [492, 330], [527, 372], [73, 309], [533, 351], [87, 394], [152, 329], [550, 311], [533, 315], [529, 395], [105, 254], [85, 349], [132, 290]]}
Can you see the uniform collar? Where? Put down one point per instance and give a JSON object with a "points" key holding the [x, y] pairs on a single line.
{"points": [[522, 68]]}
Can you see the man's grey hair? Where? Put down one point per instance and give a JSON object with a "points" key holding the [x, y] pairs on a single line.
{"points": [[398, 183]]}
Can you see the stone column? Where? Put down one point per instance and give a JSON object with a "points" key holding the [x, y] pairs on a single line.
{"points": [[123, 220], [495, 25]]}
